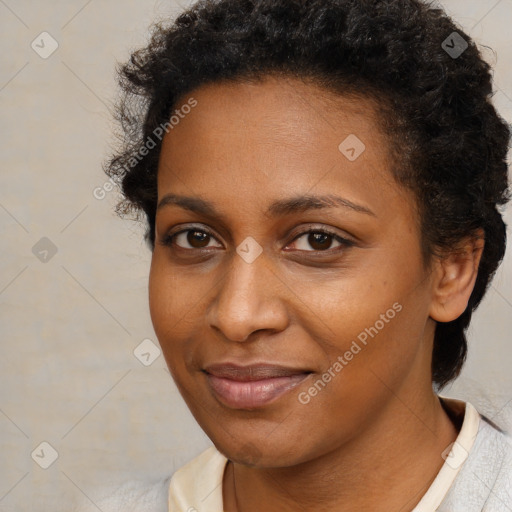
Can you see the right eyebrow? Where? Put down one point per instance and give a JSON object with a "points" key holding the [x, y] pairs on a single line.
{"points": [[193, 204]]}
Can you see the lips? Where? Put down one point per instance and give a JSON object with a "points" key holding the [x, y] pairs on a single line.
{"points": [[253, 386]]}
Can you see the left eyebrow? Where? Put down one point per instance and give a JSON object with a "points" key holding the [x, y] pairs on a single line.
{"points": [[278, 208], [303, 203]]}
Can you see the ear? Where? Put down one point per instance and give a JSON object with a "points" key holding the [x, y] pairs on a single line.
{"points": [[454, 279]]}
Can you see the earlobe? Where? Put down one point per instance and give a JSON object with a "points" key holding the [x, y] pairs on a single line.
{"points": [[455, 279]]}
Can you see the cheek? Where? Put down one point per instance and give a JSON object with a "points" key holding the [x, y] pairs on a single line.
{"points": [[160, 294], [377, 361], [356, 307], [376, 322], [168, 306], [362, 383], [169, 300], [177, 303]]}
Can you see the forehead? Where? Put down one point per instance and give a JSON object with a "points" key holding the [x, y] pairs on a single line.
{"points": [[282, 108], [280, 135]]}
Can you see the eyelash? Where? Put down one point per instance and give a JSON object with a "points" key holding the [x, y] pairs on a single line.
{"points": [[168, 240]]}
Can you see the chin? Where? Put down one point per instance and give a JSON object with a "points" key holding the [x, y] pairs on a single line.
{"points": [[263, 454]]}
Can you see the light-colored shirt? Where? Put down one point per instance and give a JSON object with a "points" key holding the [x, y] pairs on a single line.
{"points": [[475, 477]]}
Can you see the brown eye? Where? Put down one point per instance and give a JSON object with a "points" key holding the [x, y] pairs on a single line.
{"points": [[319, 240], [189, 239], [197, 239]]}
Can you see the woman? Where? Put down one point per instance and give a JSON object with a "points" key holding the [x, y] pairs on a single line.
{"points": [[321, 182]]}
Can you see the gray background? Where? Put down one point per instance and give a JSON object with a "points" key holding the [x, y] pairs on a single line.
{"points": [[71, 321]]}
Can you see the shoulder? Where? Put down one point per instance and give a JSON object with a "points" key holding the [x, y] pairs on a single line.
{"points": [[485, 479], [198, 484], [133, 496]]}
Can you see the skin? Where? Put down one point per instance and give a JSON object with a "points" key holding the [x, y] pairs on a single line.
{"points": [[357, 443]]}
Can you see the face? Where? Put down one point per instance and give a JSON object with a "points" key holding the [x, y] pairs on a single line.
{"points": [[287, 288]]}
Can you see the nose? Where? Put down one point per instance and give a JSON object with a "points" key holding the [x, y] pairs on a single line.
{"points": [[249, 299]]}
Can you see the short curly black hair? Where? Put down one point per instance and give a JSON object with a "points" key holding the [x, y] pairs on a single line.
{"points": [[450, 145]]}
